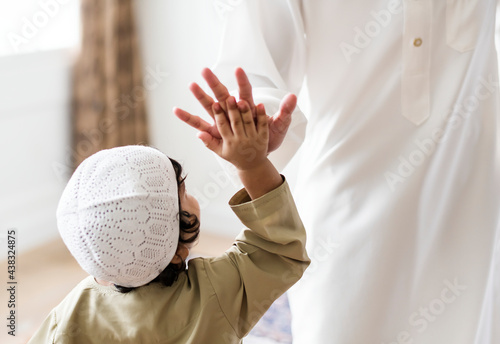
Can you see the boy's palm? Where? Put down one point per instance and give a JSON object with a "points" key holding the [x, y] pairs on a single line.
{"points": [[244, 141]]}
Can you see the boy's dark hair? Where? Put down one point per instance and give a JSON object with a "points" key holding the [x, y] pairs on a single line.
{"points": [[189, 230]]}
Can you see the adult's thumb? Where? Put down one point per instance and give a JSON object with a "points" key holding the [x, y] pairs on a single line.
{"points": [[210, 142]]}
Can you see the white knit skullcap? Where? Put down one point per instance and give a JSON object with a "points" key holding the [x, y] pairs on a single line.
{"points": [[118, 215]]}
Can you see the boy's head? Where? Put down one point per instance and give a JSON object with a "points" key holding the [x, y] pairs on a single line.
{"points": [[120, 215]]}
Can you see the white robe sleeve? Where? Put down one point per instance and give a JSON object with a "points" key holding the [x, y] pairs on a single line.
{"points": [[265, 38]]}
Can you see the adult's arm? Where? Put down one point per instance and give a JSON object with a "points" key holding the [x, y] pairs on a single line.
{"points": [[267, 39]]}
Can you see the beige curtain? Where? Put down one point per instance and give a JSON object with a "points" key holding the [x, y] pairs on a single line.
{"points": [[108, 93]]}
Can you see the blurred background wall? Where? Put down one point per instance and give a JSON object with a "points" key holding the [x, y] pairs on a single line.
{"points": [[36, 48], [39, 42]]}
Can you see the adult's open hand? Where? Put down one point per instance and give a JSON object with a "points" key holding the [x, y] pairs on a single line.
{"points": [[278, 123]]}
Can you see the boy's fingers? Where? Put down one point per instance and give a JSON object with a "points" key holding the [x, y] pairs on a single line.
{"points": [[262, 121], [205, 100], [220, 91], [247, 118], [221, 121], [235, 117], [210, 142], [245, 88]]}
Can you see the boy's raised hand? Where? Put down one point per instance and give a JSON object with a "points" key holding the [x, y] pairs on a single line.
{"points": [[278, 124], [243, 142]]}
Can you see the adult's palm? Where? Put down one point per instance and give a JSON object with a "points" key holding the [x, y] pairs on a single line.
{"points": [[278, 124]]}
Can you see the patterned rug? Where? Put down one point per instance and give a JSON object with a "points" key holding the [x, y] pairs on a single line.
{"points": [[274, 327]]}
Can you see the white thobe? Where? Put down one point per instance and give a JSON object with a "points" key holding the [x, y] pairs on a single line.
{"points": [[398, 181]]}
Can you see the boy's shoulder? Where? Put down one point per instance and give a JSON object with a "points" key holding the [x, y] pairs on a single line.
{"points": [[89, 304], [81, 291], [89, 296]]}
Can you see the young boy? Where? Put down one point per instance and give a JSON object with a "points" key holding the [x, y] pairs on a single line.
{"points": [[126, 217]]}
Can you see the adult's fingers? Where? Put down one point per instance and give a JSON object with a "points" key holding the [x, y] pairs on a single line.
{"points": [[211, 142], [247, 118], [281, 121], [220, 91], [194, 121], [244, 87], [197, 122], [288, 103], [205, 100], [235, 117]]}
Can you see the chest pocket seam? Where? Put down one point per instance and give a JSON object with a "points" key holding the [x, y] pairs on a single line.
{"points": [[463, 23]]}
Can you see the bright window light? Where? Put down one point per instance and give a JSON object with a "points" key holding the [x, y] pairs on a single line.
{"points": [[34, 25]]}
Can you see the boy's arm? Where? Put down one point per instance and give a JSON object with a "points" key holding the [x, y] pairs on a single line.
{"points": [[46, 332], [260, 180], [265, 260], [270, 257]]}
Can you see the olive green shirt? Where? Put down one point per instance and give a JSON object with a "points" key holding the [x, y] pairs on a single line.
{"points": [[217, 300]]}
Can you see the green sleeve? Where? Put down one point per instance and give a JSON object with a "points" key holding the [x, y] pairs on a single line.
{"points": [[266, 259], [46, 333]]}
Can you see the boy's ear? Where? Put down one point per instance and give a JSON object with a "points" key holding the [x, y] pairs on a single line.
{"points": [[181, 254], [176, 259]]}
